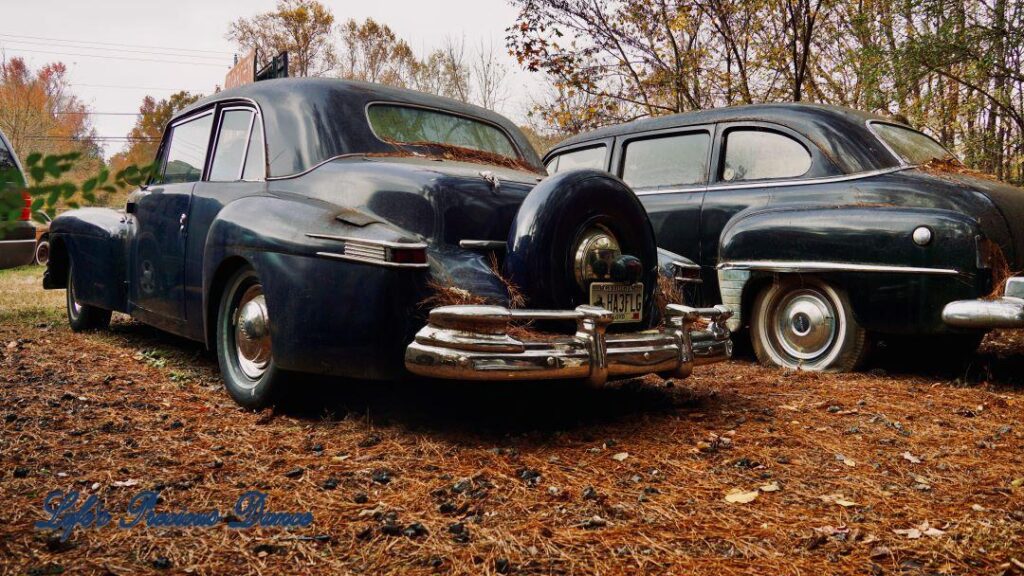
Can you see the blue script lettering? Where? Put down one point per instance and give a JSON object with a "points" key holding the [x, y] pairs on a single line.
{"points": [[64, 516], [142, 508], [250, 510]]}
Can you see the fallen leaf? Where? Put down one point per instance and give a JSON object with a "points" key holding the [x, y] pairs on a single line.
{"points": [[911, 458], [771, 487], [126, 483], [839, 499], [909, 533], [739, 496], [620, 456], [977, 507]]}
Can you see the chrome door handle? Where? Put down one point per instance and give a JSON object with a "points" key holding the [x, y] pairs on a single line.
{"points": [[182, 221]]}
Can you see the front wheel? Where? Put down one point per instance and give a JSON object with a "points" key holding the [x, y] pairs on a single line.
{"points": [[83, 317], [243, 343], [807, 324]]}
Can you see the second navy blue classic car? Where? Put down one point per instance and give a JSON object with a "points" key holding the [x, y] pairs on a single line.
{"points": [[821, 227], [318, 226]]}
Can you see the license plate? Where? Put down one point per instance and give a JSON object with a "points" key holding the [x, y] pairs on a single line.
{"points": [[625, 301]]}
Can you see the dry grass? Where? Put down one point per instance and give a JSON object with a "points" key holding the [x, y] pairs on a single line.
{"points": [[528, 470]]}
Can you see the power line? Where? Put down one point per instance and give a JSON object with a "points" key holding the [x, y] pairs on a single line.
{"points": [[117, 44], [123, 58], [102, 113], [118, 50], [134, 88]]}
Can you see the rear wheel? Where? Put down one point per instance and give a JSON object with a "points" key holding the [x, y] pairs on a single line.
{"points": [[83, 316], [807, 324], [243, 343]]}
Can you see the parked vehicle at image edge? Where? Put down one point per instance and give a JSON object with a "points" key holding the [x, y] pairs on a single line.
{"points": [[42, 250], [17, 239], [301, 225], [821, 227]]}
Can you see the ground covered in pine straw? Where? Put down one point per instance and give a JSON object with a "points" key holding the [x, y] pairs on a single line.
{"points": [[909, 468]]}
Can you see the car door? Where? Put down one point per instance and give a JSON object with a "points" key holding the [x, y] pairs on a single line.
{"points": [[668, 170], [237, 169], [159, 223], [750, 159]]}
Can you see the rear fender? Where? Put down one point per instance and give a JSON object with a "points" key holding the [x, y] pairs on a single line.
{"points": [[867, 250]]}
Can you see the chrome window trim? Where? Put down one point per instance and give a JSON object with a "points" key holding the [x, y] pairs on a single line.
{"points": [[168, 142], [776, 183], [810, 266], [216, 142], [499, 128], [383, 243]]}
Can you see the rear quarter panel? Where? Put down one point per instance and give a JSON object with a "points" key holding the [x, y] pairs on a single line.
{"points": [[95, 241]]}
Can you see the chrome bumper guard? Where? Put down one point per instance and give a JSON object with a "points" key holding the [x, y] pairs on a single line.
{"points": [[1006, 311], [473, 343]]}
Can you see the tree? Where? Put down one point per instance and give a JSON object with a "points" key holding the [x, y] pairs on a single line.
{"points": [[374, 53], [144, 137], [302, 28]]}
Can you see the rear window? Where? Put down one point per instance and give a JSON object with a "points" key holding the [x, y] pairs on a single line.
{"points": [[578, 159], [911, 146], [677, 160], [409, 125]]}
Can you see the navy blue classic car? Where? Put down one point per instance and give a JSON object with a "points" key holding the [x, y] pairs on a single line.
{"points": [[349, 229], [822, 228], [17, 236]]}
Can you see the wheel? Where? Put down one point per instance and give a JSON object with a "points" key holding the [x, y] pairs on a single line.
{"points": [[42, 251], [578, 227], [243, 343], [83, 316], [807, 324]]}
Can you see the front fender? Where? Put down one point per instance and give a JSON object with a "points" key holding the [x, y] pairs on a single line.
{"points": [[95, 240], [895, 285]]}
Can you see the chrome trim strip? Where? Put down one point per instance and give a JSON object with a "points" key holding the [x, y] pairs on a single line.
{"points": [[775, 183], [483, 244], [361, 260], [807, 266], [28, 241], [386, 243]]}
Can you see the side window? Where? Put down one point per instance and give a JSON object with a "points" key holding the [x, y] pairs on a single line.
{"points": [[186, 153], [586, 158], [232, 140], [8, 167], [675, 160], [255, 157], [752, 154]]}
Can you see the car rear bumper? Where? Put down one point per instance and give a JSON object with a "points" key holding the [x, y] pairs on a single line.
{"points": [[17, 245], [476, 343], [1006, 311]]}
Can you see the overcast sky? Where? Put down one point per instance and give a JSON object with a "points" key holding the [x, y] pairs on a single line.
{"points": [[118, 76]]}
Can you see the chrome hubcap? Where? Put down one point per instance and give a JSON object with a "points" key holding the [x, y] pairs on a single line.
{"points": [[76, 308], [252, 333], [595, 252], [805, 325]]}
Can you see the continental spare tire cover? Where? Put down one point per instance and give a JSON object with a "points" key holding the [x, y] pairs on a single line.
{"points": [[553, 221]]}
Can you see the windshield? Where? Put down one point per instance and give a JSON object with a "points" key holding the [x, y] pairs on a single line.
{"points": [[911, 146], [409, 125]]}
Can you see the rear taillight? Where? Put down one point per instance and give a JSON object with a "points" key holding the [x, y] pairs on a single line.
{"points": [[407, 255], [26, 212]]}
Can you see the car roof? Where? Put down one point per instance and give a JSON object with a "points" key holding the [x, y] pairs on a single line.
{"points": [[310, 120], [841, 133]]}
